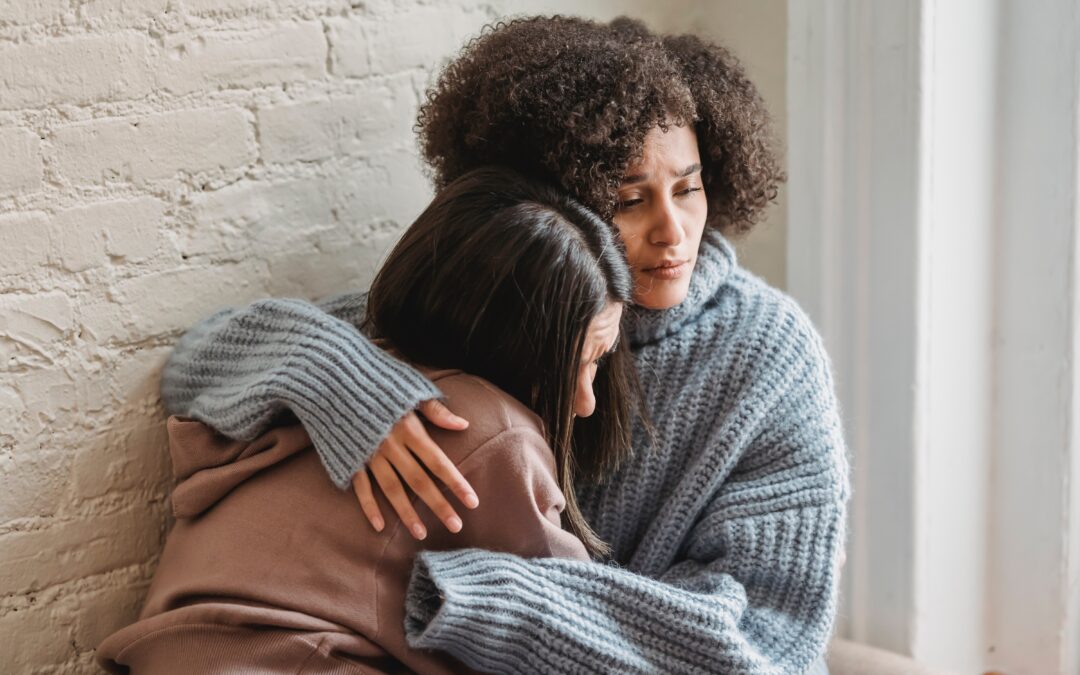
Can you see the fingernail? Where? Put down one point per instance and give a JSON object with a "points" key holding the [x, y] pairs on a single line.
{"points": [[418, 531], [454, 524], [471, 501], [378, 524]]}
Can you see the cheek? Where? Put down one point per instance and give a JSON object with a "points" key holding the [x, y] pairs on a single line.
{"points": [[630, 233], [697, 213]]}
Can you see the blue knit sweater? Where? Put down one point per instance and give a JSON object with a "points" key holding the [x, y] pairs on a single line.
{"points": [[725, 533]]}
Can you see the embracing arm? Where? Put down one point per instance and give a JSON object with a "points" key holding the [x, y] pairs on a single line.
{"points": [[754, 590], [242, 367]]}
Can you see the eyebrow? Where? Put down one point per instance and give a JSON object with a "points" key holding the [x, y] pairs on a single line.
{"points": [[638, 177]]}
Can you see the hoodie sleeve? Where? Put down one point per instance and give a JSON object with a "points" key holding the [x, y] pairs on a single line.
{"points": [[241, 368]]}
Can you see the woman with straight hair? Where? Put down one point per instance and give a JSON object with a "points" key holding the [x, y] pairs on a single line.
{"points": [[727, 527], [507, 294]]}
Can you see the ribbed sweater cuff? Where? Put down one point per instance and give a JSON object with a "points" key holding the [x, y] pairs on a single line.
{"points": [[502, 613], [349, 398], [241, 367]]}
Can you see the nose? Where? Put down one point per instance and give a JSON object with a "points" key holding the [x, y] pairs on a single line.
{"points": [[666, 230], [585, 399]]}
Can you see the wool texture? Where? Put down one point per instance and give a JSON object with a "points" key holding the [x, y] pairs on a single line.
{"points": [[726, 527]]}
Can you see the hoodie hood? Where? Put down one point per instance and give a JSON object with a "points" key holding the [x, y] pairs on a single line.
{"points": [[207, 465]]}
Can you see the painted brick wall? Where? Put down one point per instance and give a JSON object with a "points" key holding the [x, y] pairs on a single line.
{"points": [[160, 159]]}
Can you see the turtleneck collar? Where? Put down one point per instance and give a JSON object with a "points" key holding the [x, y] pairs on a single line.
{"points": [[716, 259]]}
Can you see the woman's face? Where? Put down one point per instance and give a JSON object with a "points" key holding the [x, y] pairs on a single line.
{"points": [[661, 216], [600, 339]]}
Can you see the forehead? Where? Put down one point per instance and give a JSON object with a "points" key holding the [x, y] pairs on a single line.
{"points": [[675, 149], [604, 327]]}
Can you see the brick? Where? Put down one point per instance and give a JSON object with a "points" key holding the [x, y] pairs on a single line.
{"points": [[34, 637], [256, 216], [349, 46], [122, 458], [103, 321], [85, 237], [36, 319], [360, 124], [255, 58], [34, 483], [59, 401], [35, 322], [21, 422], [20, 171], [32, 326], [123, 10], [103, 611], [12, 409], [284, 218], [32, 11], [153, 146], [421, 38], [222, 6], [24, 240], [337, 264], [136, 377], [315, 233], [398, 188], [74, 549], [73, 70], [167, 302]]}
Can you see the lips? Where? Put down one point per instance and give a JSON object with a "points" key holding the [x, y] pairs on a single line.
{"points": [[667, 269]]}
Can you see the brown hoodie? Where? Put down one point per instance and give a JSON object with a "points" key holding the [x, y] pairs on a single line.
{"points": [[271, 569]]}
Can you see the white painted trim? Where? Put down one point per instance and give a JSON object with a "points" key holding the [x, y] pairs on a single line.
{"points": [[853, 264], [1034, 626], [949, 298], [958, 69]]}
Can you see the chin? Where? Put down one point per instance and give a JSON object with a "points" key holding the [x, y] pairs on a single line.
{"points": [[662, 300]]}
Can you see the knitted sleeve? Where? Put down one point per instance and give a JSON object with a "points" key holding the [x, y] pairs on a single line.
{"points": [[242, 367], [752, 590]]}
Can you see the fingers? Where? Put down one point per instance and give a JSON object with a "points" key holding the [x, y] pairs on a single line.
{"points": [[408, 454], [362, 486], [439, 415], [416, 438], [418, 480], [436, 461], [395, 493]]}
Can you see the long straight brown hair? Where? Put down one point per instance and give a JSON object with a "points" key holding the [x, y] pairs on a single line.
{"points": [[500, 276]]}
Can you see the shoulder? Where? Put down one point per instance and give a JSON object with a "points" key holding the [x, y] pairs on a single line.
{"points": [[794, 376], [492, 414], [766, 317]]}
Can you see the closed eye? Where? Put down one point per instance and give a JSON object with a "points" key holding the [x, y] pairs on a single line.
{"points": [[602, 359]]}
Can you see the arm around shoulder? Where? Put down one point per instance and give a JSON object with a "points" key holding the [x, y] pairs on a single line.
{"points": [[241, 367]]}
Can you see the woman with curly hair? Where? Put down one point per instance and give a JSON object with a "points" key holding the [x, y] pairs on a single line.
{"points": [[726, 526]]}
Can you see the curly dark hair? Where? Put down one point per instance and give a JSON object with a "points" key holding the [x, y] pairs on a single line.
{"points": [[570, 101]]}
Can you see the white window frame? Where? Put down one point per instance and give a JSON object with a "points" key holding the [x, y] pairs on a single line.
{"points": [[933, 218]]}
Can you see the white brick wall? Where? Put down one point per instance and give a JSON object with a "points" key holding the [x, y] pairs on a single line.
{"points": [[160, 159], [21, 170]]}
